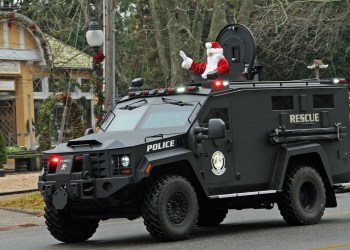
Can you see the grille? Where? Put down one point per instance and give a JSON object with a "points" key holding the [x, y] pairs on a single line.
{"points": [[118, 168], [99, 165]]}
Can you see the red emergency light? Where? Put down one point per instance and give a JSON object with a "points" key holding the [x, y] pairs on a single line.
{"points": [[218, 84], [54, 160]]}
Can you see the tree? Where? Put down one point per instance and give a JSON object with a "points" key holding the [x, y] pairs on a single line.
{"points": [[291, 34], [151, 33], [46, 120]]}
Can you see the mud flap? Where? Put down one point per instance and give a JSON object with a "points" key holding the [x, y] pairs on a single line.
{"points": [[59, 199]]}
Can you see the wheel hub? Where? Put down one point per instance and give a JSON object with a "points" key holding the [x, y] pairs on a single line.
{"points": [[308, 196], [177, 208]]}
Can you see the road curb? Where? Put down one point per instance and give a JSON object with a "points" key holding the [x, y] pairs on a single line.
{"points": [[24, 210], [18, 192]]}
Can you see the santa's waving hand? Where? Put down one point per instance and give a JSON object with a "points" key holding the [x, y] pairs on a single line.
{"points": [[215, 61]]}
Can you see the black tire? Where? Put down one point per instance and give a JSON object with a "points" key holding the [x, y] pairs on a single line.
{"points": [[170, 209], [211, 214], [66, 228], [304, 197]]}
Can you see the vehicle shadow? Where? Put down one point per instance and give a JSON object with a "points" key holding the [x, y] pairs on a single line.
{"points": [[199, 234], [145, 241]]}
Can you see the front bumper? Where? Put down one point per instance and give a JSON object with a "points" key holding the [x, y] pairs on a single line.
{"points": [[59, 192]]}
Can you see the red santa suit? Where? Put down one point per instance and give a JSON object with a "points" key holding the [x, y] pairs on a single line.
{"points": [[215, 61]]}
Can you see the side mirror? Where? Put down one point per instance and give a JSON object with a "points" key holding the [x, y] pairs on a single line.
{"points": [[89, 131], [216, 129]]}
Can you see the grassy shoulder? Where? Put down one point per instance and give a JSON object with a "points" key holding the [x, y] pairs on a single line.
{"points": [[28, 201]]}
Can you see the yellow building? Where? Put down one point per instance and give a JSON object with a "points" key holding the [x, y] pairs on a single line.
{"points": [[26, 58]]}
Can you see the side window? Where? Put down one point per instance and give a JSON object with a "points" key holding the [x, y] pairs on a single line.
{"points": [[221, 113], [323, 101], [282, 102]]}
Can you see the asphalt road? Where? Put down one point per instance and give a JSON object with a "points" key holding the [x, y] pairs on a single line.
{"points": [[246, 229]]}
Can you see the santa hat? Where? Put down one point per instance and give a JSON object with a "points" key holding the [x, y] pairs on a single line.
{"points": [[214, 48]]}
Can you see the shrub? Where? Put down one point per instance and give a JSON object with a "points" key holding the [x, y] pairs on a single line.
{"points": [[14, 149]]}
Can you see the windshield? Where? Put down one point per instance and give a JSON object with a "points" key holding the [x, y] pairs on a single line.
{"points": [[150, 116], [126, 119], [166, 115]]}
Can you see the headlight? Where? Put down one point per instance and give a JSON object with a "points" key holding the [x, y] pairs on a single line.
{"points": [[125, 161]]}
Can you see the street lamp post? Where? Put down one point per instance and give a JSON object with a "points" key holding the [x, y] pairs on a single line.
{"points": [[94, 35], [95, 39]]}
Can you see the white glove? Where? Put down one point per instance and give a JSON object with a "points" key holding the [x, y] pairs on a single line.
{"points": [[186, 64], [204, 75], [183, 55]]}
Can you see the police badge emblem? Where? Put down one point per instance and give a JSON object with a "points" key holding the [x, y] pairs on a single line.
{"points": [[218, 163]]}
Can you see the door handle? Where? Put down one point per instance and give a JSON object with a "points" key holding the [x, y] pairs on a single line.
{"points": [[229, 145]]}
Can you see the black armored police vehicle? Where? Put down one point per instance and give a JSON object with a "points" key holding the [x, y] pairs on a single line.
{"points": [[181, 157]]}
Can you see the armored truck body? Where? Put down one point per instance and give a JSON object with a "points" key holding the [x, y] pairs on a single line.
{"points": [[181, 157]]}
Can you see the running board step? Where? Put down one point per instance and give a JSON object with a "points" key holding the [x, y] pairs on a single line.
{"points": [[223, 196], [342, 187]]}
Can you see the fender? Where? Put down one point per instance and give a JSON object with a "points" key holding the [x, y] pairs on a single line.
{"points": [[169, 156], [287, 151]]}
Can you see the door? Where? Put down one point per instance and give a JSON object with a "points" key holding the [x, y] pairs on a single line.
{"points": [[217, 158], [8, 121]]}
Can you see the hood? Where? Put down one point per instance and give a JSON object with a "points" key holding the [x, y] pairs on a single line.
{"points": [[112, 140]]}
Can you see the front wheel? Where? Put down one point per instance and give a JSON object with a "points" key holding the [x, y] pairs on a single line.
{"points": [[67, 228], [304, 197], [170, 209]]}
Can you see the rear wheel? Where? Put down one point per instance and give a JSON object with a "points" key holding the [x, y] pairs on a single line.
{"points": [[170, 209], [304, 197], [67, 228], [211, 214]]}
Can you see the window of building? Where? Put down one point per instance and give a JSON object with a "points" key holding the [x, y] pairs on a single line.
{"points": [[61, 85], [323, 101], [282, 102], [37, 85], [54, 86], [85, 85]]}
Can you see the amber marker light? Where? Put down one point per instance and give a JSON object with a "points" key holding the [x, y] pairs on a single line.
{"points": [[148, 168]]}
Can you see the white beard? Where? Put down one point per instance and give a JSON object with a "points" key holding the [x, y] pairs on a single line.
{"points": [[212, 64]]}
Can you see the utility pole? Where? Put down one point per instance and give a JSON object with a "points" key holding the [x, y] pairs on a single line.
{"points": [[30, 124], [109, 49], [317, 64]]}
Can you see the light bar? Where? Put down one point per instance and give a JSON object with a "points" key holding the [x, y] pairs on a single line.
{"points": [[171, 90], [217, 84], [192, 88], [335, 81], [180, 89]]}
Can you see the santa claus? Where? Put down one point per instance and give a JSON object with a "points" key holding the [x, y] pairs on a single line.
{"points": [[215, 61]]}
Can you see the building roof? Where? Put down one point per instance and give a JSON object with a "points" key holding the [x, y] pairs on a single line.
{"points": [[66, 56]]}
